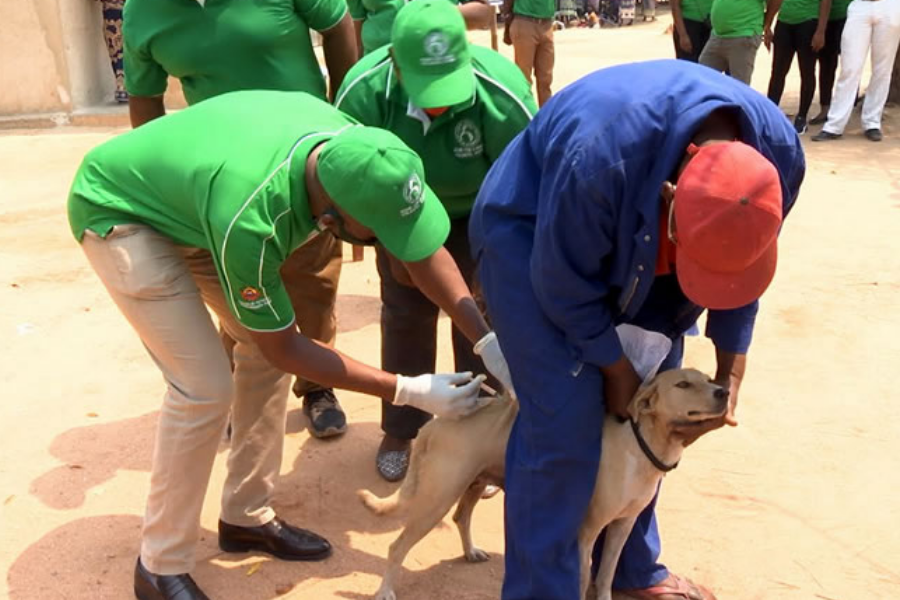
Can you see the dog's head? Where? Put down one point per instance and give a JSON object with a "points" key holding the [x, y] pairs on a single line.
{"points": [[685, 401]]}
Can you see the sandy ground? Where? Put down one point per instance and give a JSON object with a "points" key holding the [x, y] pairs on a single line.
{"points": [[802, 500]]}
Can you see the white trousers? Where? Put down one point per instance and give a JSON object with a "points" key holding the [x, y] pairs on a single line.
{"points": [[871, 25]]}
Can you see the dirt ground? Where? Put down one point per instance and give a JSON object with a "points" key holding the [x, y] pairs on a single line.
{"points": [[801, 501]]}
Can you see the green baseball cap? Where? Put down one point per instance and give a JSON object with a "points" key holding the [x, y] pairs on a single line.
{"points": [[430, 47], [374, 177]]}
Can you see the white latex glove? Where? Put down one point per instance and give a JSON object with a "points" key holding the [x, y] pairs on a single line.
{"points": [[450, 396], [645, 349], [488, 348]]}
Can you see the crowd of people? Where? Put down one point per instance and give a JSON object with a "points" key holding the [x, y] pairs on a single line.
{"points": [[535, 235]]}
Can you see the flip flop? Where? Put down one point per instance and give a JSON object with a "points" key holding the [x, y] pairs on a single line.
{"points": [[672, 587]]}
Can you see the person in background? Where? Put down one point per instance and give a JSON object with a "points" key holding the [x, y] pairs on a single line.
{"points": [[800, 30], [529, 30], [648, 10], [457, 105], [251, 45], [112, 35], [373, 19], [691, 28], [873, 26], [828, 57], [738, 29]]}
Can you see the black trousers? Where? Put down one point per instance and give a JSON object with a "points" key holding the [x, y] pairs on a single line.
{"points": [[787, 41], [409, 332], [828, 60], [698, 32]]}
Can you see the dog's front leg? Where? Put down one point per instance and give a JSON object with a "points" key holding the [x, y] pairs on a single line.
{"points": [[616, 536]]}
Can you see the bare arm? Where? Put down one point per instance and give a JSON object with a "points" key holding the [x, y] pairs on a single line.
{"points": [[142, 109], [477, 14], [339, 47], [772, 8], [439, 279], [684, 40], [294, 353], [729, 374], [818, 41], [357, 26]]}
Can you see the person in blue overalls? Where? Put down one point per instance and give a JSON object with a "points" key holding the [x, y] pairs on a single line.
{"points": [[645, 194]]}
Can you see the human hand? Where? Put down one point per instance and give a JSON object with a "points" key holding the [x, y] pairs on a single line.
{"points": [[818, 41], [767, 38], [620, 384], [684, 42], [732, 386], [451, 396], [488, 348]]}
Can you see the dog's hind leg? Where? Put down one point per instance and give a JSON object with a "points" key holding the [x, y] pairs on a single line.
{"points": [[422, 518], [463, 519], [616, 536]]}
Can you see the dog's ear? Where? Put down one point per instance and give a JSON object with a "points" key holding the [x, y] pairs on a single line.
{"points": [[644, 400]]}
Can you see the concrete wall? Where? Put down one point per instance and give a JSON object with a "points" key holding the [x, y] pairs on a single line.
{"points": [[52, 56]]}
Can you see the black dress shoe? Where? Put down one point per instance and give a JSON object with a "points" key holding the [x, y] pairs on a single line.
{"points": [[825, 136], [276, 538], [874, 135], [148, 586]]}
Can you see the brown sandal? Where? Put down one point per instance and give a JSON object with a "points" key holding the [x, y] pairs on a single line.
{"points": [[672, 587]]}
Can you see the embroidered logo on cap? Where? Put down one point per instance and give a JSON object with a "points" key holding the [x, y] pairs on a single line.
{"points": [[412, 193], [437, 48], [468, 139]]}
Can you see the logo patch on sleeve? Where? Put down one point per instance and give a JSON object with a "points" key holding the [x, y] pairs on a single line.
{"points": [[251, 298]]}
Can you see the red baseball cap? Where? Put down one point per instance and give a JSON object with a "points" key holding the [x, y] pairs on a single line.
{"points": [[728, 211]]}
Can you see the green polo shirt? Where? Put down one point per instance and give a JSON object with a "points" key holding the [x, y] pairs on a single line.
{"points": [[226, 175], [799, 11], [225, 46], [458, 147], [838, 9], [738, 18], [539, 9], [696, 10], [378, 19]]}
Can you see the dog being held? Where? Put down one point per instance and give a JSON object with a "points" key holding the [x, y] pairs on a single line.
{"points": [[454, 460]]}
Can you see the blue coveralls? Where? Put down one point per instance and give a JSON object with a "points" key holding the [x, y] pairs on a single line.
{"points": [[565, 231]]}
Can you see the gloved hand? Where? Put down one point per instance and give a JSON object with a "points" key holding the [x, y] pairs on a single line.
{"points": [[450, 396], [488, 348]]}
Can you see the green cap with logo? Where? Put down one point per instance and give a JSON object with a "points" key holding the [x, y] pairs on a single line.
{"points": [[374, 177], [430, 47]]}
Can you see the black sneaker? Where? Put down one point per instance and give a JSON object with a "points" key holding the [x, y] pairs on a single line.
{"points": [[825, 136], [800, 124], [326, 418], [874, 135]]}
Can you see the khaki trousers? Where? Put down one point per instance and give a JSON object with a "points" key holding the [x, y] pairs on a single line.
{"points": [[161, 288], [311, 276], [534, 51]]}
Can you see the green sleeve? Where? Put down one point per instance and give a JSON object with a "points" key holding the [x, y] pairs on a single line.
{"points": [[357, 10], [143, 75], [321, 15], [360, 95], [512, 110], [249, 269]]}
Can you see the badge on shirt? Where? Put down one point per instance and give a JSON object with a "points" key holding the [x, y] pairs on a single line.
{"points": [[252, 298], [468, 139]]}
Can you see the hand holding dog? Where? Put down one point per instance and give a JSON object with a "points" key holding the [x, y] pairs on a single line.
{"points": [[451, 396], [620, 384]]}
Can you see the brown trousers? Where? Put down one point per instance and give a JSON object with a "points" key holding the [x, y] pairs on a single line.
{"points": [[532, 41], [311, 277]]}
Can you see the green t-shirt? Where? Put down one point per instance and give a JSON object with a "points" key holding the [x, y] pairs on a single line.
{"points": [[738, 18], [696, 10], [458, 147], [799, 11], [378, 19], [539, 9], [838, 9], [227, 45], [226, 175]]}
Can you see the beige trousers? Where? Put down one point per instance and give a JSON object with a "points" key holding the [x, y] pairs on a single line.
{"points": [[311, 277], [534, 51], [163, 290]]}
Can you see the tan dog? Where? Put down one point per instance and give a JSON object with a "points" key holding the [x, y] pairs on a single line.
{"points": [[455, 460]]}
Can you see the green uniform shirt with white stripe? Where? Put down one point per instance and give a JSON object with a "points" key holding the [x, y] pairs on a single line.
{"points": [[225, 45], [226, 175], [458, 147]]}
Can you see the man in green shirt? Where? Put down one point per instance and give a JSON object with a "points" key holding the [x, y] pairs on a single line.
{"points": [[458, 106], [738, 28], [248, 45], [691, 27], [529, 29], [204, 207], [373, 19]]}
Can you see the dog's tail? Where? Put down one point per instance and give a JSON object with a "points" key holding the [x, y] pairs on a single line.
{"points": [[380, 506], [402, 496]]}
